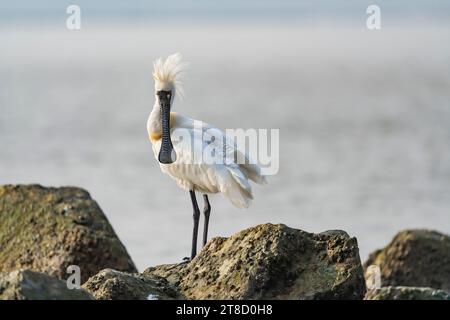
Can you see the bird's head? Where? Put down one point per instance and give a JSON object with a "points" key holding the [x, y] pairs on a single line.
{"points": [[167, 75]]}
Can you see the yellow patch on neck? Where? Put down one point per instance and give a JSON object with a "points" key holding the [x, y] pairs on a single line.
{"points": [[172, 119], [155, 136]]}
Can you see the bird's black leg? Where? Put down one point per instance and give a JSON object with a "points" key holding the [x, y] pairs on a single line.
{"points": [[196, 217], [206, 212]]}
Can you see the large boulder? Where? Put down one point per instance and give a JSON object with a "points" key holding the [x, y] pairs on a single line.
{"points": [[415, 258], [48, 229], [406, 293], [115, 285], [272, 262], [30, 285]]}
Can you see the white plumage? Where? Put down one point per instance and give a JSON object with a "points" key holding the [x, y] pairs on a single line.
{"points": [[189, 170], [191, 173], [198, 156]]}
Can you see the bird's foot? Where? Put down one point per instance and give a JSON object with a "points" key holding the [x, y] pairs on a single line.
{"points": [[185, 261]]}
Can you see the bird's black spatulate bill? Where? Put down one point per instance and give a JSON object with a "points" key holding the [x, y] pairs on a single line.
{"points": [[166, 153]]}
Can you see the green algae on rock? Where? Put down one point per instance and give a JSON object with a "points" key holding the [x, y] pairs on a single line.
{"points": [[48, 229], [30, 285], [414, 258]]}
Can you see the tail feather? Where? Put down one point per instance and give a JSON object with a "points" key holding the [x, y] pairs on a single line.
{"points": [[238, 196], [253, 172], [236, 188], [241, 179]]}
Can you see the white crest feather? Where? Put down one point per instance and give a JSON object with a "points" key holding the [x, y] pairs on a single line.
{"points": [[168, 74]]}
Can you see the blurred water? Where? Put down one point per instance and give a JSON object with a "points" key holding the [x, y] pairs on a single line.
{"points": [[364, 121]]}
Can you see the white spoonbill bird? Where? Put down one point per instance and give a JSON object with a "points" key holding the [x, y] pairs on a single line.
{"points": [[183, 160]]}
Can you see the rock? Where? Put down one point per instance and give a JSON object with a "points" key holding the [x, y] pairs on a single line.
{"points": [[414, 258], [48, 229], [115, 285], [30, 285], [406, 293], [273, 262], [171, 272], [264, 262]]}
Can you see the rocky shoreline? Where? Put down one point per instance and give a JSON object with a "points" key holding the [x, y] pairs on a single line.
{"points": [[43, 231]]}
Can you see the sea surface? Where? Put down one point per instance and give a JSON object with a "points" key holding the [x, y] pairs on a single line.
{"points": [[364, 120]]}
